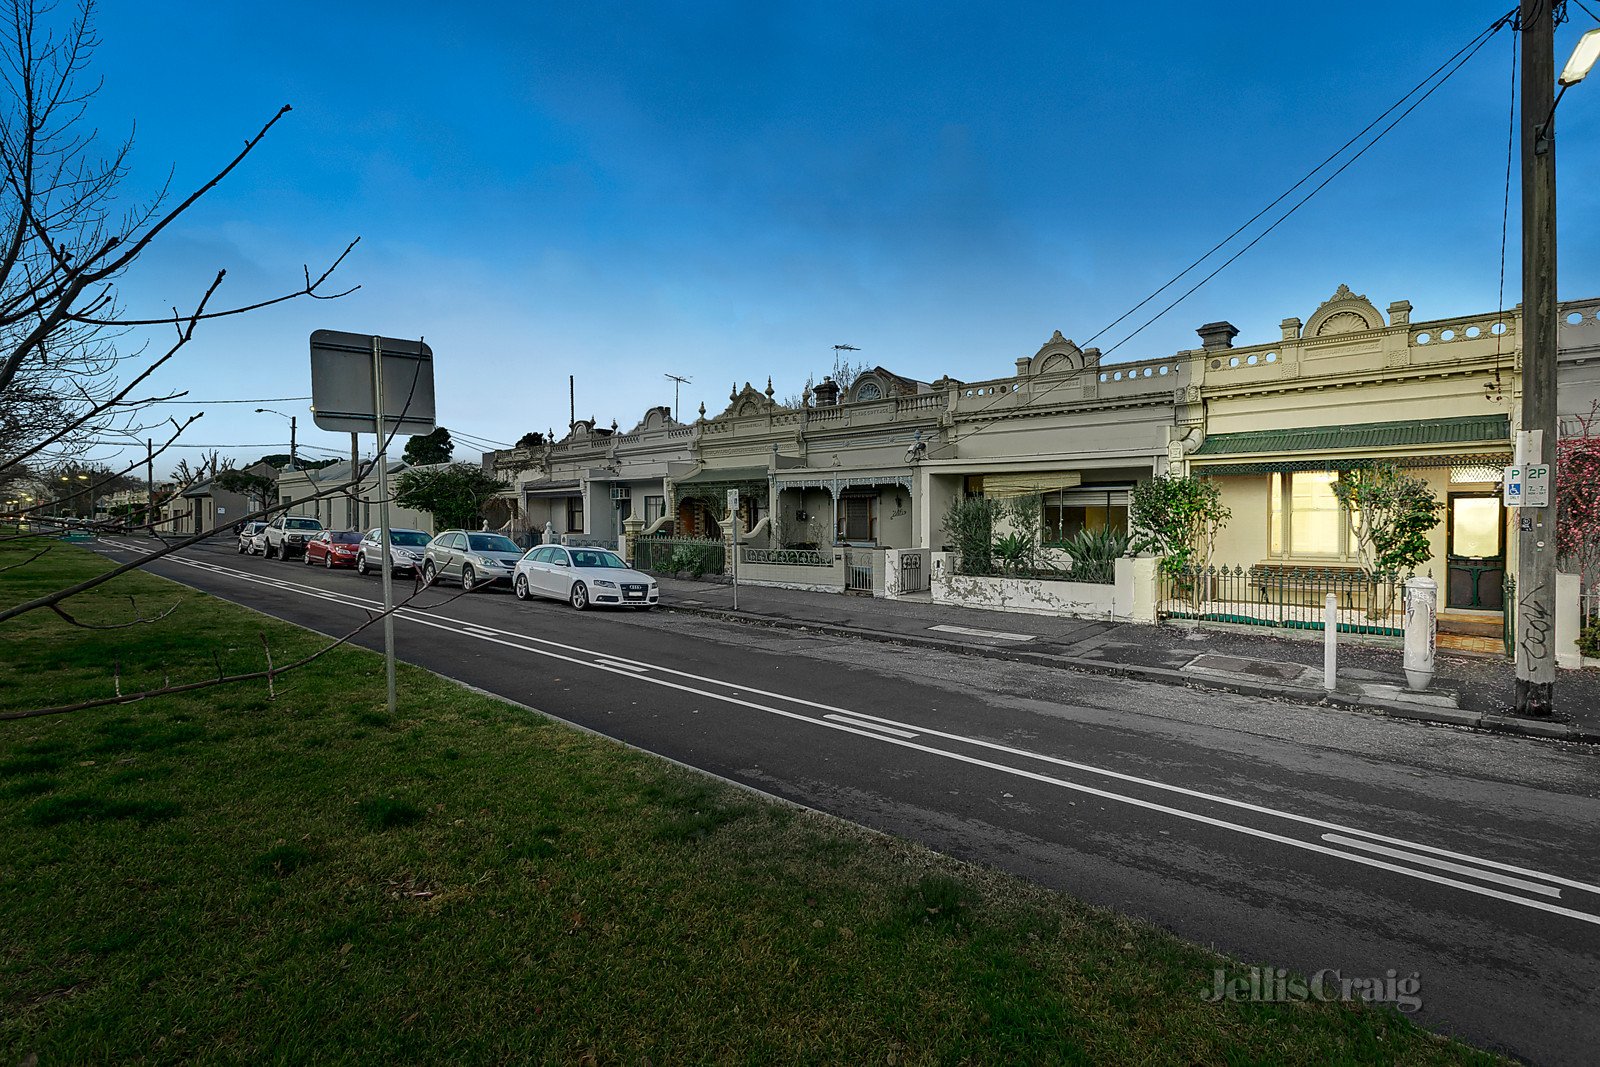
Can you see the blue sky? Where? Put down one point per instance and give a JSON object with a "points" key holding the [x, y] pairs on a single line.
{"points": [[726, 190]]}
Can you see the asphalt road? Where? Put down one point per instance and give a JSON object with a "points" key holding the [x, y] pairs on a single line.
{"points": [[1305, 838]]}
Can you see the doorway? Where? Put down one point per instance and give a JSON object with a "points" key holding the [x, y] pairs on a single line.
{"points": [[1476, 563]]}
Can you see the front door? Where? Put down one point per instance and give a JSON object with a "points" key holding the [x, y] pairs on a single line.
{"points": [[1476, 567]]}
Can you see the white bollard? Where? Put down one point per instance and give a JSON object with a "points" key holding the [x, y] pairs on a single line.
{"points": [[1422, 602], [1330, 643]]}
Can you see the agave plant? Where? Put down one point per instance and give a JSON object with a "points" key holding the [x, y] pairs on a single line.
{"points": [[1095, 553]]}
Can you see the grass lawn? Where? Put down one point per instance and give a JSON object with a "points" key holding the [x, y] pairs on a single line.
{"points": [[222, 875]]}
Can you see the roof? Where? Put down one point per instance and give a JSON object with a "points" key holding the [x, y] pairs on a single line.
{"points": [[1468, 429], [563, 488]]}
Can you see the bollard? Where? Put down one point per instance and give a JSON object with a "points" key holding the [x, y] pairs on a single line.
{"points": [[1422, 602], [1330, 643]]}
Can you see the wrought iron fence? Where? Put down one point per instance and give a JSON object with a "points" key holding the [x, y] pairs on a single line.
{"points": [[675, 555], [1288, 597], [1589, 607], [789, 557]]}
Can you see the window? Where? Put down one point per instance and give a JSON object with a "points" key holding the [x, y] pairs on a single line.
{"points": [[575, 514], [1306, 520], [869, 391], [654, 508], [855, 518], [1066, 513]]}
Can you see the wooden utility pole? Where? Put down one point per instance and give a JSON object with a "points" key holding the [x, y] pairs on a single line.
{"points": [[355, 461], [150, 484], [1536, 529]]}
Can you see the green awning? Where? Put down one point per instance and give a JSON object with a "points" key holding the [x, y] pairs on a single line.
{"points": [[1431, 433]]}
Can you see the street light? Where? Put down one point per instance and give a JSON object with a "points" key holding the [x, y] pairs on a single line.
{"points": [[293, 463]]}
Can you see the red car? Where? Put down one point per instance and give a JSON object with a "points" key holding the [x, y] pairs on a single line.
{"points": [[333, 548]]}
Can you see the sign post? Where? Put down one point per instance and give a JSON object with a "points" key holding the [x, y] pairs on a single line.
{"points": [[347, 393], [733, 525]]}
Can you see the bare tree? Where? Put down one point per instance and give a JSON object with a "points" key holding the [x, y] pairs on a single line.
{"points": [[65, 242]]}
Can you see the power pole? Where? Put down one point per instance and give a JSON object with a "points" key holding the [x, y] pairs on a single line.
{"points": [[676, 382], [293, 463], [150, 484], [1536, 549], [355, 461]]}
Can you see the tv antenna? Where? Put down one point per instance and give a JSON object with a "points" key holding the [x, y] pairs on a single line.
{"points": [[676, 382]]}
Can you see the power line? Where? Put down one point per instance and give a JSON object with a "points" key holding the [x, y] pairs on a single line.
{"points": [[263, 400], [1459, 58]]}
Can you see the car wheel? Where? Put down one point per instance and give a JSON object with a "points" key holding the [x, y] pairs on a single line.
{"points": [[327, 561], [241, 548], [267, 552], [521, 587], [429, 575], [361, 564], [580, 595], [306, 558], [469, 578]]}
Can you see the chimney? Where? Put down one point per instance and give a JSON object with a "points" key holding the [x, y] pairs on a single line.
{"points": [[827, 393], [1215, 336]]}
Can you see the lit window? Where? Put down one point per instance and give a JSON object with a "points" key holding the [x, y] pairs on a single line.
{"points": [[1306, 518]]}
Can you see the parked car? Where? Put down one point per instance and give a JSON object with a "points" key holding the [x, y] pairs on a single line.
{"points": [[247, 535], [583, 576], [473, 559], [333, 548], [287, 536], [405, 551]]}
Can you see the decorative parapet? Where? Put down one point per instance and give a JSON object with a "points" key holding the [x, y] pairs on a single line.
{"points": [[1578, 329]]}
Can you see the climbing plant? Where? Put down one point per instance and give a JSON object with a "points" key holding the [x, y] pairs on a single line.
{"points": [[1577, 477]]}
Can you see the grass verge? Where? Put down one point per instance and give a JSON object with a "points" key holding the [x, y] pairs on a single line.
{"points": [[223, 875]]}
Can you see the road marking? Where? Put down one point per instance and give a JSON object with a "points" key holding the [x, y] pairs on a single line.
{"points": [[997, 635], [1458, 868], [871, 726], [868, 723]]}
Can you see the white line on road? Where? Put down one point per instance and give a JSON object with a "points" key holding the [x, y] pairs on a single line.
{"points": [[997, 635], [1443, 865], [621, 665], [871, 725]]}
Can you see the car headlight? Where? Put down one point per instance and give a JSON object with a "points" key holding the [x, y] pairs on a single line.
{"points": [[654, 587], [603, 584], [483, 561]]}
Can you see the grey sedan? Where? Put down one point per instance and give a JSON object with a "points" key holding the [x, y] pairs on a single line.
{"points": [[473, 559]]}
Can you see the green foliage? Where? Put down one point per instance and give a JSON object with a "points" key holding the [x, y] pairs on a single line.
{"points": [[256, 487], [1392, 514], [970, 524], [1095, 553], [429, 448], [697, 560], [1589, 641], [454, 495], [533, 439], [1178, 519]]}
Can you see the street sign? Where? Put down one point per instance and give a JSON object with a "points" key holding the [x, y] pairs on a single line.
{"points": [[733, 501], [1512, 487], [1536, 485], [341, 384]]}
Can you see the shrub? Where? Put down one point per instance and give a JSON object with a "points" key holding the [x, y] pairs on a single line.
{"points": [[970, 524], [1589, 640]]}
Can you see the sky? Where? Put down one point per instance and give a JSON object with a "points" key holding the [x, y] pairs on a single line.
{"points": [[726, 191]]}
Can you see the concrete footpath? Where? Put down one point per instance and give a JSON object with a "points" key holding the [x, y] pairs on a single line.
{"points": [[1467, 690]]}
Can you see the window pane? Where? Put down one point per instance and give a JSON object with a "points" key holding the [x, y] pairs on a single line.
{"points": [[1275, 527], [1475, 526], [1315, 518]]}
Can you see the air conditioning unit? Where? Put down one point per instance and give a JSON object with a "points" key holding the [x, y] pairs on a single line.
{"points": [[619, 492]]}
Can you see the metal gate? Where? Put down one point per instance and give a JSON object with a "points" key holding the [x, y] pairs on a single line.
{"points": [[858, 571]]}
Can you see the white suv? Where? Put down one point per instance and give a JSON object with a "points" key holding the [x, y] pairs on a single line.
{"points": [[287, 536]]}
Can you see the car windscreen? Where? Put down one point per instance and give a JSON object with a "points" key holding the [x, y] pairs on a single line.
{"points": [[346, 537], [302, 524], [491, 543], [590, 558], [414, 538]]}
